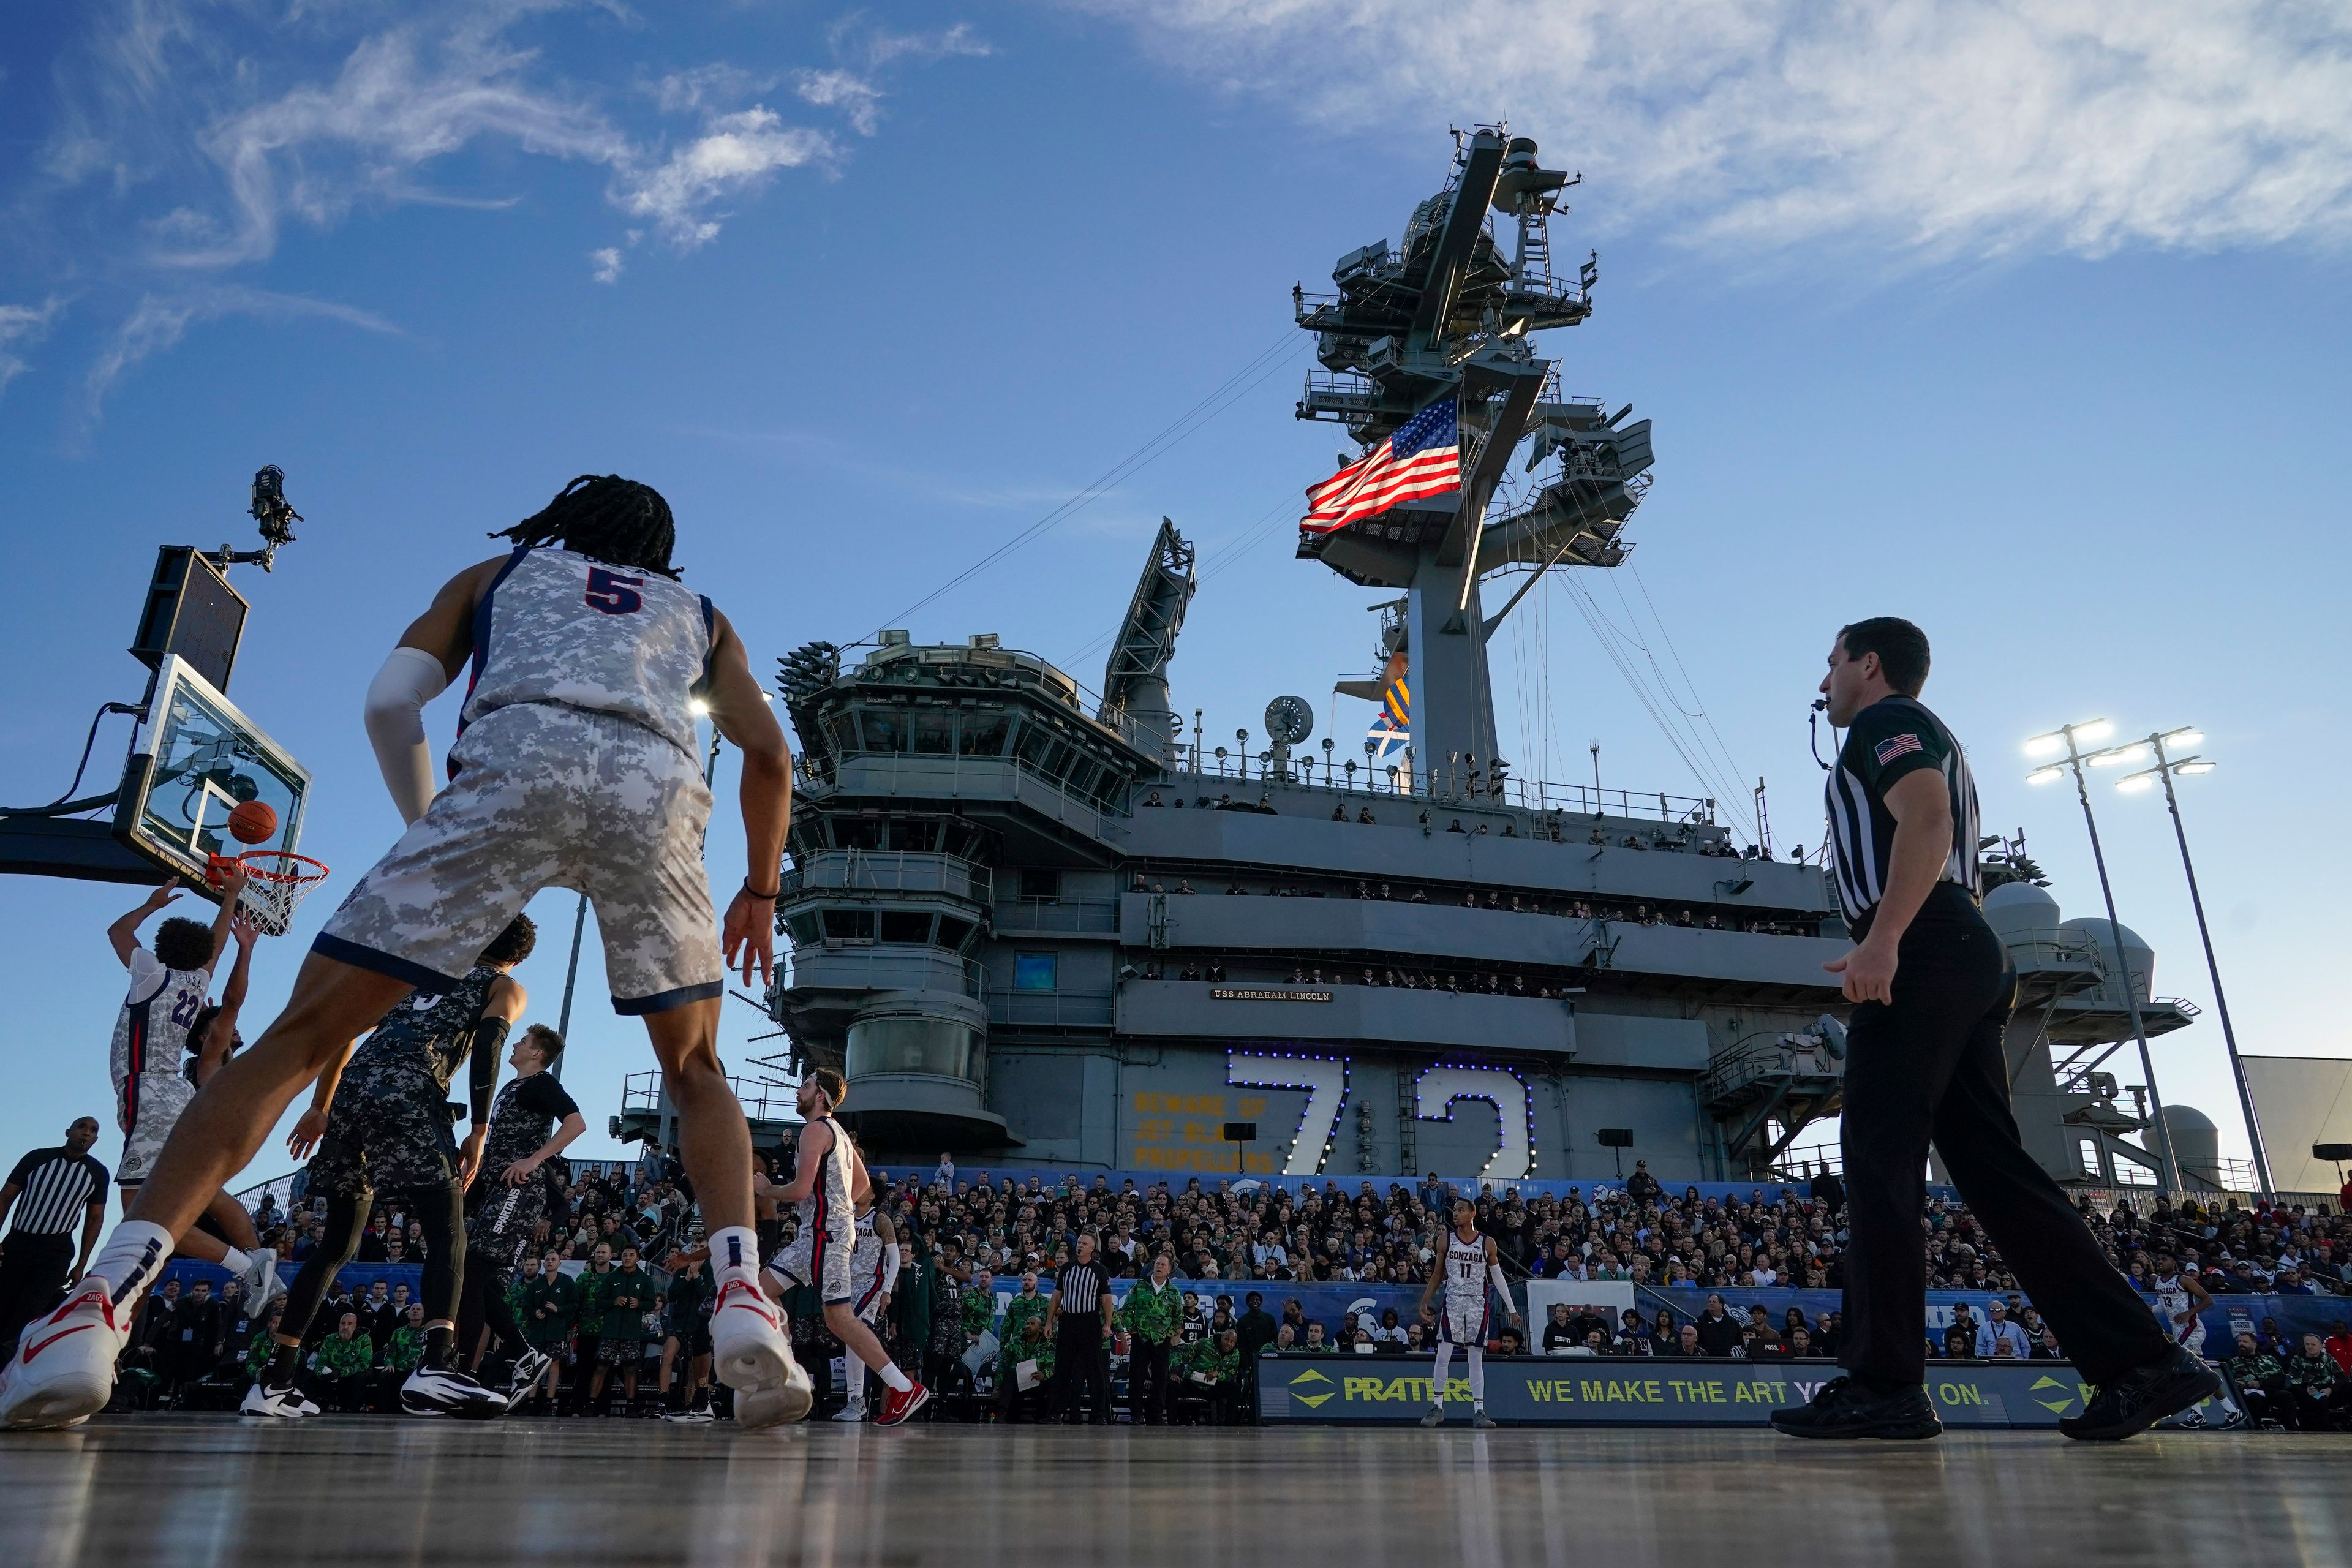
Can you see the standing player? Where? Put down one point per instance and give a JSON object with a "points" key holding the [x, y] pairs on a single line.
{"points": [[1932, 986], [379, 1119], [1471, 1262], [830, 1172], [872, 1273], [533, 1120], [2180, 1297], [576, 764], [165, 1020]]}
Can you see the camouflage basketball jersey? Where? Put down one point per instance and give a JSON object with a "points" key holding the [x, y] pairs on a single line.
{"points": [[430, 1035], [556, 626], [152, 1033]]}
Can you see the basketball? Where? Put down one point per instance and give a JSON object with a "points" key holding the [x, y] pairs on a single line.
{"points": [[252, 822]]}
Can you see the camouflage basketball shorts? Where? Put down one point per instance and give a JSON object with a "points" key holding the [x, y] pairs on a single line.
{"points": [[505, 1219], [148, 1106], [548, 795], [386, 1133]]}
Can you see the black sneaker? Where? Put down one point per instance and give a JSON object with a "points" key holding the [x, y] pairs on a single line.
{"points": [[2144, 1396], [1845, 1408]]}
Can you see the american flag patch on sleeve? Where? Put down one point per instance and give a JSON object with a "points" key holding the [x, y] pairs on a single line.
{"points": [[1896, 746]]}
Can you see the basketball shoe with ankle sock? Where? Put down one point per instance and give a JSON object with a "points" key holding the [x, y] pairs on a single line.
{"points": [[63, 1371]]}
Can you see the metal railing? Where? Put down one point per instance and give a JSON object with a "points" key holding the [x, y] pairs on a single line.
{"points": [[960, 778], [1041, 917], [884, 969], [763, 1099], [1051, 1009], [890, 871], [1445, 786]]}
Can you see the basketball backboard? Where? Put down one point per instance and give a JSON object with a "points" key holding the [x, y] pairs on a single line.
{"points": [[194, 758]]}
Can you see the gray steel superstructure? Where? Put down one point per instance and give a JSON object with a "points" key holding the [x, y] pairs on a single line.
{"points": [[1050, 929]]}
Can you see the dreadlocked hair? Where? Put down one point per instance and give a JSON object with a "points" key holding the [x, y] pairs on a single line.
{"points": [[604, 516]]}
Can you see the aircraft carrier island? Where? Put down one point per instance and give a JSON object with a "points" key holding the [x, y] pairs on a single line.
{"points": [[1041, 926]]}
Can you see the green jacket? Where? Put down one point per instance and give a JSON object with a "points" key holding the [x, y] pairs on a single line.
{"points": [[910, 1298], [2255, 1369], [1153, 1316], [978, 1311], [556, 1297], [1019, 1311], [257, 1353], [2313, 1371], [628, 1293], [405, 1350], [1203, 1357], [592, 1298], [1009, 1360], [344, 1357]]}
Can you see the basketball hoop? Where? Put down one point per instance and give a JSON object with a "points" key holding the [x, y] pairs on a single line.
{"points": [[276, 880]]}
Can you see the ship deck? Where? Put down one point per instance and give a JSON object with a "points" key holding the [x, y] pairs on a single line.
{"points": [[190, 1489]]}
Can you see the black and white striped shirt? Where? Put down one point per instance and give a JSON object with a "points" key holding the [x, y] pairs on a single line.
{"points": [[1080, 1287], [55, 1189], [1892, 738]]}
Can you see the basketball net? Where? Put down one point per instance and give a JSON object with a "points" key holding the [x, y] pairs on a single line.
{"points": [[276, 882]]}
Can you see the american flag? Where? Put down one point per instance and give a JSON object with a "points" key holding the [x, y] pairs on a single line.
{"points": [[1423, 458], [1896, 746]]}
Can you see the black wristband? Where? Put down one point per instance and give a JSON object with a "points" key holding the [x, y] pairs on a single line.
{"points": [[771, 897]]}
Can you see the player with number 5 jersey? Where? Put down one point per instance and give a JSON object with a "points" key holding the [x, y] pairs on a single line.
{"points": [[575, 765]]}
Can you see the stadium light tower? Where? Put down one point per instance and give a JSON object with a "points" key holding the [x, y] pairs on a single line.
{"points": [[2167, 765], [2068, 738]]}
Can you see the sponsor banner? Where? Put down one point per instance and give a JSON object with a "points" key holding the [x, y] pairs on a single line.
{"points": [[1644, 1391], [1047, 1179]]}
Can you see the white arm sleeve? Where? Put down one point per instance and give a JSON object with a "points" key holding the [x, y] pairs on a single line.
{"points": [[395, 725], [1503, 1289], [890, 1267]]}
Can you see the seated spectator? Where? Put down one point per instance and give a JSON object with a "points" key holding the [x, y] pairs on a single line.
{"points": [[1316, 1344], [341, 1368], [1687, 1341], [2261, 1383], [2322, 1397], [403, 1349], [1558, 1335], [1510, 1342], [1021, 1397], [1999, 1330], [1210, 1372]]}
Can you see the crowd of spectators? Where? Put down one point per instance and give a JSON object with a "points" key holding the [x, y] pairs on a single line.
{"points": [[607, 1298]]}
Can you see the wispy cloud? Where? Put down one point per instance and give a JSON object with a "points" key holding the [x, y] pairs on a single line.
{"points": [[1965, 128], [25, 325], [736, 153], [607, 265], [859, 101], [161, 321]]}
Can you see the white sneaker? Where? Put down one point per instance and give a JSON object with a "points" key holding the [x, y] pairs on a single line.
{"points": [[445, 1390], [750, 1354], [529, 1368], [693, 1415], [850, 1413], [288, 1404], [262, 1285], [63, 1371]]}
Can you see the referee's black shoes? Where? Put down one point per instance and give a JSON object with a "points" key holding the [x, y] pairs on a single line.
{"points": [[2144, 1396], [1845, 1408]]}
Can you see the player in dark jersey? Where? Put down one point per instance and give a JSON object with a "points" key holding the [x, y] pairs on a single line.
{"points": [[533, 1121], [380, 1122], [1931, 986]]}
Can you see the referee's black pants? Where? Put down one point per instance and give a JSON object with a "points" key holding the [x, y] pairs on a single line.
{"points": [[1080, 1362], [33, 1269], [1930, 1065]]}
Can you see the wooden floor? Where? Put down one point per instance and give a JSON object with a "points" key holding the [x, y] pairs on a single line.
{"points": [[170, 1492]]}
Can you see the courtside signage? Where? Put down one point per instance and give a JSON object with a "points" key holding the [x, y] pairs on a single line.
{"points": [[1646, 1390]]}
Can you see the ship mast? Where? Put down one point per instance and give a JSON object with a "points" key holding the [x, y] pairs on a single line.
{"points": [[1447, 313]]}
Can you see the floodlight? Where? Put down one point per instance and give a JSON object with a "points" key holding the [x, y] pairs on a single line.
{"points": [[2095, 730], [2135, 783], [2189, 736], [2196, 765], [2118, 757], [2045, 775], [2045, 745]]}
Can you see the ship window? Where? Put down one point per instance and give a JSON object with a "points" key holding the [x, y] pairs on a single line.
{"points": [[849, 925], [939, 1047], [2087, 1148], [1033, 971], [934, 734], [844, 733], [856, 833], [1042, 886], [904, 925], [953, 933], [885, 731], [920, 836], [983, 734], [1083, 775], [804, 927]]}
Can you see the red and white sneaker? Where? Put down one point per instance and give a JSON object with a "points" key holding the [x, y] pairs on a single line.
{"points": [[750, 1354], [63, 1371], [900, 1404]]}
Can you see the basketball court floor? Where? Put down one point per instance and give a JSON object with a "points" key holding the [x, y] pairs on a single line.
{"points": [[198, 1489]]}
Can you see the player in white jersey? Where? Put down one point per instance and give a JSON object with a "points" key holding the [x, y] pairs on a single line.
{"points": [[825, 1186], [576, 765], [168, 1039], [1469, 1264], [873, 1276], [2180, 1297]]}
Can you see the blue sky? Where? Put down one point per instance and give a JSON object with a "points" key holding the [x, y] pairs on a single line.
{"points": [[2025, 321]]}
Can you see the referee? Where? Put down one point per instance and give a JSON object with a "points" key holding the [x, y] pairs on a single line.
{"points": [[1074, 1319], [47, 1190], [1931, 986]]}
